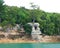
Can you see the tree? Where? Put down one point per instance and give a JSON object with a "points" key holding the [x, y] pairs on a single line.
{"points": [[1, 9], [1, 5]]}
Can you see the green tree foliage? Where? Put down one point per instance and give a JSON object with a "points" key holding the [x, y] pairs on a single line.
{"points": [[28, 29], [11, 15], [1, 5], [1, 9]]}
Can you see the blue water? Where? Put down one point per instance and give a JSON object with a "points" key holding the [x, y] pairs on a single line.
{"points": [[30, 45]]}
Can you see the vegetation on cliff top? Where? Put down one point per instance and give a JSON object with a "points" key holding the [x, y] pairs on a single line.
{"points": [[11, 15]]}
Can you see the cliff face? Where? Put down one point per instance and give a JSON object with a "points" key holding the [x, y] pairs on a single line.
{"points": [[18, 39]]}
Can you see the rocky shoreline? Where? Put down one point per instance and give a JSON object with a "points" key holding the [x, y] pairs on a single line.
{"points": [[16, 38], [44, 39]]}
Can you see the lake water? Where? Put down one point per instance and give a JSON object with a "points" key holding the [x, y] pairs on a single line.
{"points": [[30, 45]]}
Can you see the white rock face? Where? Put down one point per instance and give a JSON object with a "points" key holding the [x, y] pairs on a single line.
{"points": [[35, 31]]}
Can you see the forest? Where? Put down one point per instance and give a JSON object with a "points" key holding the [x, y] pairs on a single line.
{"points": [[12, 15]]}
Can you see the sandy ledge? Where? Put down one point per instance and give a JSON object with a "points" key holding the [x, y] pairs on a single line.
{"points": [[20, 40], [44, 39]]}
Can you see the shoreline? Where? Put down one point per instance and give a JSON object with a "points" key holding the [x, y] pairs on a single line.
{"points": [[24, 39], [6, 40]]}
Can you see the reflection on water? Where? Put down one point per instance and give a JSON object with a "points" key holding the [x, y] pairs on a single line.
{"points": [[29, 45]]}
